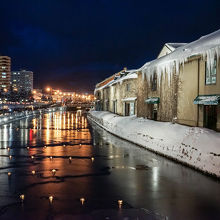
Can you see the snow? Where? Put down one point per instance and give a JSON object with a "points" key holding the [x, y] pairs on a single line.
{"points": [[207, 99], [129, 99], [196, 147], [174, 46], [208, 47], [131, 74]]}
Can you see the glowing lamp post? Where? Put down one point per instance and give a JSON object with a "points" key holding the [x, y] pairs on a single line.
{"points": [[92, 158], [9, 174], [10, 157], [33, 172]]}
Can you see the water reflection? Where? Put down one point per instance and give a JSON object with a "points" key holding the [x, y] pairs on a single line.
{"points": [[147, 180], [70, 163]]}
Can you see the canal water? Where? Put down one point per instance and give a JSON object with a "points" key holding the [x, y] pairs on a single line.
{"points": [[56, 166]]}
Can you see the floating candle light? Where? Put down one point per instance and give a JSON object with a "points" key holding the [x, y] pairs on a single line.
{"points": [[22, 197], [53, 171], [51, 199], [120, 202], [82, 200]]}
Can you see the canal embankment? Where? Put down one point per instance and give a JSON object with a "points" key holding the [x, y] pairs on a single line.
{"points": [[10, 117], [196, 147]]}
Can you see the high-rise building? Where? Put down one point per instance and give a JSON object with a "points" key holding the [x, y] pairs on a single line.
{"points": [[5, 73], [22, 80]]}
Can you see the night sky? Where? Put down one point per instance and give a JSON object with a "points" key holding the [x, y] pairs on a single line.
{"points": [[75, 44]]}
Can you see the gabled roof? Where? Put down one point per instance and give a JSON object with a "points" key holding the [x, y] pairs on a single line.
{"points": [[173, 46], [168, 48], [122, 75]]}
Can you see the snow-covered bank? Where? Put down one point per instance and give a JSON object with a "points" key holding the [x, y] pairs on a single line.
{"points": [[193, 146], [5, 119]]}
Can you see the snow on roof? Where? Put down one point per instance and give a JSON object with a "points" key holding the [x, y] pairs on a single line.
{"points": [[128, 74], [207, 46], [173, 46]]}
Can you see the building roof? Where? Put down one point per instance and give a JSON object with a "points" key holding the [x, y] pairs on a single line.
{"points": [[208, 47], [173, 46], [119, 77]]}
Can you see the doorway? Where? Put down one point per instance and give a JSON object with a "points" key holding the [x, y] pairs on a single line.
{"points": [[210, 116]]}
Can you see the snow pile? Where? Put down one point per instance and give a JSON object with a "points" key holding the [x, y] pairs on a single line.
{"points": [[196, 147], [208, 47]]}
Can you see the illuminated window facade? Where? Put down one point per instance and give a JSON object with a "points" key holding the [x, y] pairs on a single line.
{"points": [[22, 80], [5, 72]]}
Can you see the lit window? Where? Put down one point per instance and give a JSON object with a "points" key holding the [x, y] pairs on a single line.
{"points": [[3, 85], [3, 73], [210, 73], [3, 76], [3, 67]]}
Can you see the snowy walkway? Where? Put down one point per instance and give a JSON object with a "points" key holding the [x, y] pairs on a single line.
{"points": [[196, 147]]}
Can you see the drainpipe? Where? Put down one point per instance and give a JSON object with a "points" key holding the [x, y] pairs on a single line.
{"points": [[198, 92]]}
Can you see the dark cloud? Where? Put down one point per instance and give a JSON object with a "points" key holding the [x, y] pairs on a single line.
{"points": [[74, 44]]}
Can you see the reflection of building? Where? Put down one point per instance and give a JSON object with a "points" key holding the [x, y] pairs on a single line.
{"points": [[5, 72], [22, 80]]}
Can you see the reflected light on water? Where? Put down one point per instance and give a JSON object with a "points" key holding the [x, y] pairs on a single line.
{"points": [[155, 177]]}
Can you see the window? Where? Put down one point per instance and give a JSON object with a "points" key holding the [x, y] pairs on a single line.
{"points": [[3, 67], [154, 82], [3, 76], [3, 73], [127, 87], [210, 73]]}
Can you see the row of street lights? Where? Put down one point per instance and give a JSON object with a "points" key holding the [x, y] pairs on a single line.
{"points": [[58, 94]]}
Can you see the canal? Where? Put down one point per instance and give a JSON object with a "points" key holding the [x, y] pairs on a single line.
{"points": [[56, 166]]}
